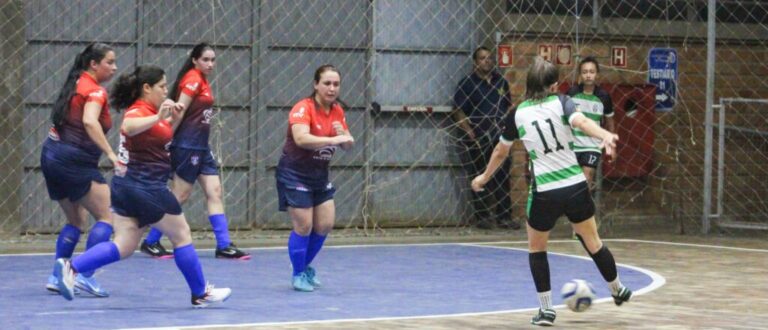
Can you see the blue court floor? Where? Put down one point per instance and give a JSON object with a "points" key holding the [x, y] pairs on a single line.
{"points": [[359, 282]]}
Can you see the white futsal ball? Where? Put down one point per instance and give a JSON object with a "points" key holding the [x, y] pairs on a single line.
{"points": [[578, 295]]}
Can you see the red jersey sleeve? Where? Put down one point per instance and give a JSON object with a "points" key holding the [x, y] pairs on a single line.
{"points": [[98, 96], [300, 114], [338, 115], [191, 84], [132, 113]]}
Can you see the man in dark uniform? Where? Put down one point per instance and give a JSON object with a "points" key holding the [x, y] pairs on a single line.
{"points": [[481, 101]]}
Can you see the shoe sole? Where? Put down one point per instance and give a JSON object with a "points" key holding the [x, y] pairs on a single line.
{"points": [[208, 304], [248, 257], [543, 323], [166, 257], [55, 290], [303, 290], [94, 293], [52, 288]]}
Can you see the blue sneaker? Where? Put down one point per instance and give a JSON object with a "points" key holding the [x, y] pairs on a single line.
{"points": [[65, 278], [312, 277], [301, 283], [89, 284], [53, 285]]}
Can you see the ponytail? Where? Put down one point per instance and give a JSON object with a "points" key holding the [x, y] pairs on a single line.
{"points": [[94, 52], [127, 89]]}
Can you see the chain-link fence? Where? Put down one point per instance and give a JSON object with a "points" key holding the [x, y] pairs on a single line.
{"points": [[408, 57]]}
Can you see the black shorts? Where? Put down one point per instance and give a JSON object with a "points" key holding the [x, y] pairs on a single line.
{"points": [[544, 208], [588, 158]]}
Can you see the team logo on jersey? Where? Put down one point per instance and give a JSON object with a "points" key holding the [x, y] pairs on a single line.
{"points": [[195, 160], [299, 114], [324, 154], [192, 86], [595, 108], [99, 93], [318, 126], [207, 115], [501, 91], [123, 156]]}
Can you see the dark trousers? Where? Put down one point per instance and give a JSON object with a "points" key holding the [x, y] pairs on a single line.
{"points": [[494, 203]]}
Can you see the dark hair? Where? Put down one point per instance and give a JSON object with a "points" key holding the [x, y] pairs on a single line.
{"points": [[127, 88], [541, 75], [589, 59], [477, 52], [196, 53], [318, 72], [94, 52]]}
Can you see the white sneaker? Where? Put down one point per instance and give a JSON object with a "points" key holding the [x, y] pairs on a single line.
{"points": [[65, 278], [53, 285], [211, 296]]}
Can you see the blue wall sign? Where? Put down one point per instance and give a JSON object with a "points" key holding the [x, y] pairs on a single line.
{"points": [[662, 72]]}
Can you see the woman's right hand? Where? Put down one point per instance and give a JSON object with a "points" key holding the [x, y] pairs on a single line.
{"points": [[339, 139], [112, 159]]}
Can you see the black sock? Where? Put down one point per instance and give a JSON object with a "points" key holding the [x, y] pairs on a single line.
{"points": [[540, 270], [605, 263]]}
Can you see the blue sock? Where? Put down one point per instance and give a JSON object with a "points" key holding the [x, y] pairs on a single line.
{"points": [[297, 250], [100, 232], [68, 238], [315, 244], [220, 229], [97, 256], [189, 265], [153, 236]]}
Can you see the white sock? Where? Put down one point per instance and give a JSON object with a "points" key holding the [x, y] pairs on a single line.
{"points": [[615, 286], [545, 300]]}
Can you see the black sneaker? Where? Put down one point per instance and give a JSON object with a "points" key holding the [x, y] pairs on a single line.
{"points": [[155, 250], [622, 296], [546, 317], [509, 224], [485, 224], [232, 252]]}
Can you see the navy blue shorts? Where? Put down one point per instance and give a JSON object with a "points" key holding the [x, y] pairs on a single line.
{"points": [[575, 202], [146, 204], [188, 164], [66, 174], [301, 197]]}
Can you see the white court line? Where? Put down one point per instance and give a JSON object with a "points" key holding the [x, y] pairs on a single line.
{"points": [[624, 240], [628, 240], [657, 281], [72, 312]]}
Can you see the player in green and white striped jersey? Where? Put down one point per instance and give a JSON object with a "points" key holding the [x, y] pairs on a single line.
{"points": [[595, 103], [544, 122]]}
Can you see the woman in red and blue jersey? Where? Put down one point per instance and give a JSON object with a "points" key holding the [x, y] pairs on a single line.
{"points": [[191, 156], [70, 157], [140, 195], [316, 128]]}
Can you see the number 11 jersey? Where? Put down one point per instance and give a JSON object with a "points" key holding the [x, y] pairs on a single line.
{"points": [[544, 127]]}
